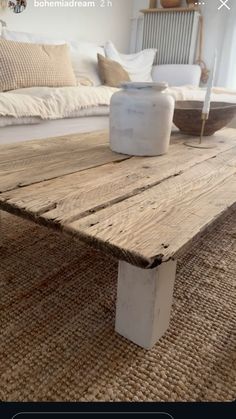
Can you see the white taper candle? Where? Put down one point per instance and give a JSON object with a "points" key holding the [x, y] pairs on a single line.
{"points": [[207, 102]]}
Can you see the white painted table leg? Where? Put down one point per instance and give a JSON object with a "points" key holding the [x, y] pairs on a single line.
{"points": [[144, 301]]}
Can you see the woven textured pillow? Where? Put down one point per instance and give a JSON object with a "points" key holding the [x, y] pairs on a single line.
{"points": [[111, 73], [83, 54], [28, 65]]}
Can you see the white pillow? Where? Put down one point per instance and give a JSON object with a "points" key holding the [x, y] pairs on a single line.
{"points": [[85, 62], [83, 54], [30, 38], [138, 66]]}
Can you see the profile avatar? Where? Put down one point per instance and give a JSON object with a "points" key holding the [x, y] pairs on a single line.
{"points": [[17, 6]]}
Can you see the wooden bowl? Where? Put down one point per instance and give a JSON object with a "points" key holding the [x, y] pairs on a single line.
{"points": [[167, 4], [187, 116], [192, 3]]}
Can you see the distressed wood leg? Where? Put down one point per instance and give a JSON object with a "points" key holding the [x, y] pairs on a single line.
{"points": [[144, 301]]}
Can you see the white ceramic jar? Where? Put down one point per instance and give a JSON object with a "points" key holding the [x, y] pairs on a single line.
{"points": [[141, 118]]}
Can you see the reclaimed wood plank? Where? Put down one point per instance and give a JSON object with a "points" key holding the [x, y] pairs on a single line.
{"points": [[51, 146], [71, 197], [133, 209], [39, 167], [150, 228]]}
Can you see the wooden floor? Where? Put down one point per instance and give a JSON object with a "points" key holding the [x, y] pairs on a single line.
{"points": [[141, 210]]}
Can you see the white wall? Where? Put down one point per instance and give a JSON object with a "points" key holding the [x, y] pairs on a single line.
{"points": [[214, 25], [92, 24]]}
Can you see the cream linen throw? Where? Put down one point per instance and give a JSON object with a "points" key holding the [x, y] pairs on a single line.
{"points": [[57, 103]]}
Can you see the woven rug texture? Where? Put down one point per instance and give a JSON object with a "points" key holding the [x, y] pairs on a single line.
{"points": [[57, 323]]}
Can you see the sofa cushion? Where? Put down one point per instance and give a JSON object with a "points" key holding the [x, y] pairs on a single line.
{"points": [[83, 54], [138, 66], [111, 73], [28, 65]]}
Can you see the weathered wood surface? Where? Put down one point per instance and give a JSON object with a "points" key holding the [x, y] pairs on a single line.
{"points": [[70, 197], [142, 210], [35, 161], [155, 225]]}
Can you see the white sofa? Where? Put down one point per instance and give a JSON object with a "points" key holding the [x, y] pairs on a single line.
{"points": [[174, 75], [177, 75], [84, 57]]}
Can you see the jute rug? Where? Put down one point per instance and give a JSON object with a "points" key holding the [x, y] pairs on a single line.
{"points": [[57, 323]]}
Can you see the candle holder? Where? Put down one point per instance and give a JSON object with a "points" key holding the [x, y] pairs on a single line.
{"points": [[198, 143], [206, 108], [191, 121]]}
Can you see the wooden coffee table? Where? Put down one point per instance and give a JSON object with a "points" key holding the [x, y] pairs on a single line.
{"points": [[143, 211]]}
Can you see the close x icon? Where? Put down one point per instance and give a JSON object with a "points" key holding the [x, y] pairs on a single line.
{"points": [[224, 3]]}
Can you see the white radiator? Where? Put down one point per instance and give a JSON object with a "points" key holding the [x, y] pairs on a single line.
{"points": [[173, 33]]}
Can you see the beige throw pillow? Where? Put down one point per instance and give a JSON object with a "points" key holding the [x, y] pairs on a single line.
{"points": [[28, 65], [111, 73]]}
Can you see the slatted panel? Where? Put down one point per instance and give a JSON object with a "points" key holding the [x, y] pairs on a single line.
{"points": [[172, 34]]}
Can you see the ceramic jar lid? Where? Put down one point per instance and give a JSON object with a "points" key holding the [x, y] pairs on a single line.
{"points": [[144, 85]]}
